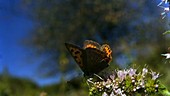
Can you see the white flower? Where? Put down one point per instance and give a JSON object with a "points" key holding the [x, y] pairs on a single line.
{"points": [[104, 94], [163, 1], [166, 1], [134, 89], [142, 83], [144, 71], [118, 91], [108, 86], [137, 87], [112, 94], [133, 80], [166, 9], [156, 85], [123, 94], [167, 55]]}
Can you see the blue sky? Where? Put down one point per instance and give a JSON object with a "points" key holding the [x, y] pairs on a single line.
{"points": [[17, 58]]}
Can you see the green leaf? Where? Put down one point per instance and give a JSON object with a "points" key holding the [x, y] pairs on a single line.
{"points": [[166, 32], [163, 90]]}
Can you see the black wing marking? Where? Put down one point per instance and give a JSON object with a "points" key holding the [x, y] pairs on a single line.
{"points": [[77, 53]]}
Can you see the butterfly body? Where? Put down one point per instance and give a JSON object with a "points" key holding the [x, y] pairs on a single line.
{"points": [[92, 58]]}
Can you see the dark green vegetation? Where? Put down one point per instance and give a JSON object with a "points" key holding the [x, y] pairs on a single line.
{"points": [[12, 86]]}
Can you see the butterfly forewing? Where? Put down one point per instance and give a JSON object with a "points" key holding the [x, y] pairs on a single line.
{"points": [[77, 54]]}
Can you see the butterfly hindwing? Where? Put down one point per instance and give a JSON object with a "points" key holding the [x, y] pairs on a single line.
{"points": [[106, 49], [95, 60], [91, 44]]}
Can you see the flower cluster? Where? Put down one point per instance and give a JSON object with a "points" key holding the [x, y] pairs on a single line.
{"points": [[167, 55], [166, 9], [125, 82]]}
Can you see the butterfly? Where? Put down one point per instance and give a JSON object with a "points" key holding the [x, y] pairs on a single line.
{"points": [[92, 58]]}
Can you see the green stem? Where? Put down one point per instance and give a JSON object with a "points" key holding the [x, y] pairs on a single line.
{"points": [[165, 92]]}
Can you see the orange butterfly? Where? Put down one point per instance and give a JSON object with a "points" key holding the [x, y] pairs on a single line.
{"points": [[92, 58]]}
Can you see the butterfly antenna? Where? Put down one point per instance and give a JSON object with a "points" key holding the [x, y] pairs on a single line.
{"points": [[98, 76], [89, 81], [102, 60]]}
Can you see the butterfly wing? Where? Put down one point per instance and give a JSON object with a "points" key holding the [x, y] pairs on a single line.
{"points": [[106, 49], [95, 60], [91, 44], [77, 54]]}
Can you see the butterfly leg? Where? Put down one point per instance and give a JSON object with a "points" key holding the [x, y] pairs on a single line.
{"points": [[98, 76]]}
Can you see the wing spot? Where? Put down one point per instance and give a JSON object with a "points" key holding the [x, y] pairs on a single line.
{"points": [[72, 50], [75, 57], [80, 63], [77, 52]]}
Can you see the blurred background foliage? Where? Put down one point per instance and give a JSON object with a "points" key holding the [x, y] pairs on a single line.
{"points": [[132, 28]]}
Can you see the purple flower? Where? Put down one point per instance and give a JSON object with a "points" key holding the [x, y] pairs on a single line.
{"points": [[116, 84], [121, 75], [112, 76], [154, 75], [131, 72]]}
